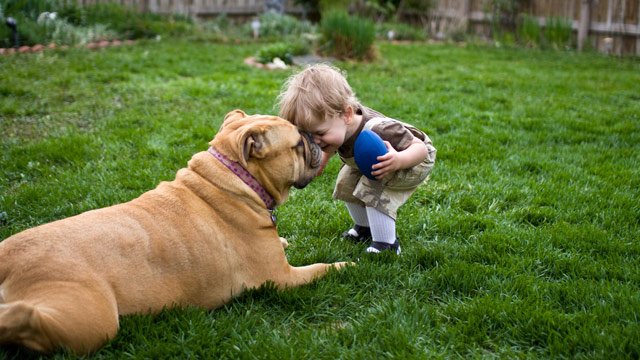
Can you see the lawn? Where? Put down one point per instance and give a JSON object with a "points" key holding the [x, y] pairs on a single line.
{"points": [[524, 244]]}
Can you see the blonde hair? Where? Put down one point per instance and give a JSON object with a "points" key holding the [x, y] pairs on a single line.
{"points": [[318, 92]]}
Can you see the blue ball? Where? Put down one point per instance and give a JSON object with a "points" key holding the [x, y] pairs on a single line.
{"points": [[366, 150]]}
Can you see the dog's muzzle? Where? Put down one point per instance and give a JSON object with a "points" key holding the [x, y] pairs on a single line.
{"points": [[314, 152], [312, 160]]}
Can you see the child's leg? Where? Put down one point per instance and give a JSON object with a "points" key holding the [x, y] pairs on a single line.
{"points": [[383, 226], [358, 214], [360, 232], [383, 231]]}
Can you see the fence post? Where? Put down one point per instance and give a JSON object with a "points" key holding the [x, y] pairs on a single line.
{"points": [[585, 22], [467, 15]]}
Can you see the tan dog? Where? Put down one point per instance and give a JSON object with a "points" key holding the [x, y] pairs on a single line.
{"points": [[198, 240]]}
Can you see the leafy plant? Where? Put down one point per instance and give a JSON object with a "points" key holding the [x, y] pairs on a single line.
{"points": [[557, 32], [401, 31], [458, 34], [284, 51], [25, 12], [276, 26], [308, 5], [28, 8], [131, 23], [380, 10], [327, 6], [347, 37], [220, 23], [417, 6], [504, 14], [529, 31], [65, 23], [28, 32]]}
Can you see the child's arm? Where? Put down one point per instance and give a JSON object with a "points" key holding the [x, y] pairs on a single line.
{"points": [[398, 160]]}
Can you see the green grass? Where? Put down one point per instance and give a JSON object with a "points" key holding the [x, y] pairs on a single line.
{"points": [[523, 245]]}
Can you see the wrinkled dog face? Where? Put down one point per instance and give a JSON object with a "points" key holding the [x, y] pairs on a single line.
{"points": [[273, 150], [312, 156]]}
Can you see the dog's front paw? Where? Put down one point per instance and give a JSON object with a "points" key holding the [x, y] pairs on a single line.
{"points": [[342, 264], [284, 242]]}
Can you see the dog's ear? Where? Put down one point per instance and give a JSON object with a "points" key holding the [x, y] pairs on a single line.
{"points": [[254, 145], [232, 116]]}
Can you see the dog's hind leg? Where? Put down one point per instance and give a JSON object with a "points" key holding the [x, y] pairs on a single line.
{"points": [[65, 315]]}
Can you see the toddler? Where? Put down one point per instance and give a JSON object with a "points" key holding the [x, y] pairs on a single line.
{"points": [[320, 101]]}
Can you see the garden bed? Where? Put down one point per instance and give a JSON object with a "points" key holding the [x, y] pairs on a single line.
{"points": [[40, 48]]}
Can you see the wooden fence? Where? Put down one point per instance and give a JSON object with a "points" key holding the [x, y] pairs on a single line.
{"points": [[611, 26]]}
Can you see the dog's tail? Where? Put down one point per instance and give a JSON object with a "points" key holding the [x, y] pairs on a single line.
{"points": [[14, 316], [42, 329], [16, 326], [17, 318], [66, 315]]}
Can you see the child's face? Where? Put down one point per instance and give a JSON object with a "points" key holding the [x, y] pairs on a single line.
{"points": [[330, 134]]}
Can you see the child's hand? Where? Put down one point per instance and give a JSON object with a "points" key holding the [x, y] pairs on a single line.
{"points": [[394, 160], [387, 163]]}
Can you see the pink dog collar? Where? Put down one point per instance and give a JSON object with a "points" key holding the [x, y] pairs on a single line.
{"points": [[246, 177]]}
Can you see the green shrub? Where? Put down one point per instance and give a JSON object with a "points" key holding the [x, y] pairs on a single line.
{"points": [[381, 10], [504, 14], [65, 33], [401, 31], [219, 29], [347, 37], [79, 25], [27, 8], [274, 25], [5, 37], [420, 6], [284, 51], [529, 31], [220, 23], [25, 12], [458, 34], [222, 29], [29, 32], [558, 32], [130, 23], [505, 38], [56, 30], [327, 6]]}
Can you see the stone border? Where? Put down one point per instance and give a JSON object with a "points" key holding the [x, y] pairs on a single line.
{"points": [[251, 61], [40, 48]]}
